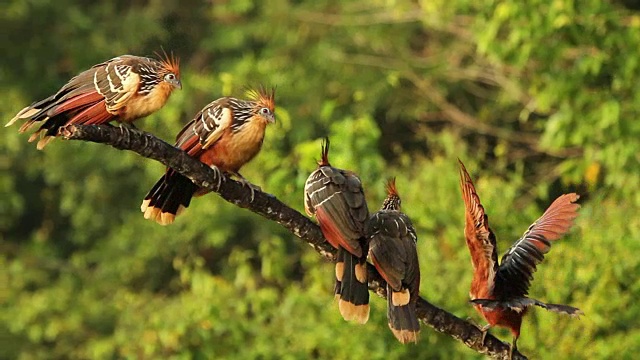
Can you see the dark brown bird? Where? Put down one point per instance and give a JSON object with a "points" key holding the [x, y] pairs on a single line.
{"points": [[124, 88], [337, 200], [499, 293], [392, 249], [227, 134]]}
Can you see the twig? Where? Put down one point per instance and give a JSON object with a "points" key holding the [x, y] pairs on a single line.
{"points": [[268, 206]]}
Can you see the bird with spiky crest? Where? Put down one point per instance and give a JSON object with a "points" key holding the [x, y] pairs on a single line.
{"points": [[124, 89], [336, 198], [499, 292], [392, 249], [226, 134]]}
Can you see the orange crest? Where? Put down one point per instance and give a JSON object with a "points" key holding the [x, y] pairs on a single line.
{"points": [[170, 62], [324, 160], [392, 202], [391, 187], [265, 97]]}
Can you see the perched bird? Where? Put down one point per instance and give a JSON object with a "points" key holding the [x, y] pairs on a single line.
{"points": [[499, 293], [124, 88], [392, 249], [336, 198], [225, 134]]}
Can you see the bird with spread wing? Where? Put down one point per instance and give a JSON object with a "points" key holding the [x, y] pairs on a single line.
{"points": [[499, 292], [124, 89], [226, 134]]}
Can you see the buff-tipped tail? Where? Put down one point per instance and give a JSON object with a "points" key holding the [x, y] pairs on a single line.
{"points": [[25, 113], [401, 311], [353, 289], [168, 198]]}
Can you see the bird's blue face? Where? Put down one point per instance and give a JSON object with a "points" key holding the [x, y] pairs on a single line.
{"points": [[173, 80], [267, 114]]}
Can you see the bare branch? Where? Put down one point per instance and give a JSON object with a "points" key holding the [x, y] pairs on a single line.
{"points": [[270, 207]]}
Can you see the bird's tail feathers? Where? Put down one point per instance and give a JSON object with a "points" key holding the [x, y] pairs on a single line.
{"points": [[168, 198], [25, 113], [59, 110], [352, 289], [519, 304], [401, 311]]}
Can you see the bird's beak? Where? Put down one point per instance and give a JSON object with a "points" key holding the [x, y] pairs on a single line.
{"points": [[178, 84], [272, 119]]}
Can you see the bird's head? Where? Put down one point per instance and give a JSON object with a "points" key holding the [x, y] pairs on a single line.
{"points": [[392, 202], [265, 103], [170, 71]]}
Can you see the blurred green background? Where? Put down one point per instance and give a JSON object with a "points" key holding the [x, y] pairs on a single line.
{"points": [[537, 99]]}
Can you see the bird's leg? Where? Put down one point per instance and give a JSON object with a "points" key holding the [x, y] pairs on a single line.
{"points": [[483, 329], [246, 183], [514, 346], [128, 124], [219, 176]]}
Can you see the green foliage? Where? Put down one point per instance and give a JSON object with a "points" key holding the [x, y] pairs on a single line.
{"points": [[537, 99]]}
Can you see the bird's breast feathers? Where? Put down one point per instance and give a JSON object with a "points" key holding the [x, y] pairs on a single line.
{"points": [[235, 148], [247, 141], [142, 105]]}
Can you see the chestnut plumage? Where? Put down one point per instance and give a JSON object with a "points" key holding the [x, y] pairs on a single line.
{"points": [[336, 198], [226, 134], [124, 89], [499, 292]]}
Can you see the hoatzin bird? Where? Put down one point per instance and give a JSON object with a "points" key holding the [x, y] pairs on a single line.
{"points": [[392, 249], [124, 88], [225, 134], [336, 198], [499, 292]]}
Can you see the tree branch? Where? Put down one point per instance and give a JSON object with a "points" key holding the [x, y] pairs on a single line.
{"points": [[270, 207]]}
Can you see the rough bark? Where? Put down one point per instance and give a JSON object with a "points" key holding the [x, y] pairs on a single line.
{"points": [[268, 206]]}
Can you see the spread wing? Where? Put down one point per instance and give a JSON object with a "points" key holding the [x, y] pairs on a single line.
{"points": [[392, 247], [519, 262], [337, 200], [479, 236], [205, 128]]}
